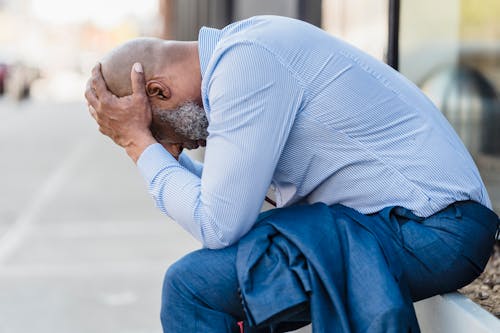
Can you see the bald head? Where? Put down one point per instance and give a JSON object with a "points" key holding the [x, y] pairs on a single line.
{"points": [[172, 83], [154, 54]]}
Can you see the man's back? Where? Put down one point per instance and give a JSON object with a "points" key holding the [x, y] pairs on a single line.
{"points": [[361, 134]]}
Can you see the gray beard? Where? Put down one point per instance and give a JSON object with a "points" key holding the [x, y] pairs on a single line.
{"points": [[188, 120]]}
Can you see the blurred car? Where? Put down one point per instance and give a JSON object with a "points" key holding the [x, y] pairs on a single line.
{"points": [[3, 77], [468, 93], [19, 80]]}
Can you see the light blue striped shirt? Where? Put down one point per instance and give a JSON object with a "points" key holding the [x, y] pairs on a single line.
{"points": [[291, 107]]}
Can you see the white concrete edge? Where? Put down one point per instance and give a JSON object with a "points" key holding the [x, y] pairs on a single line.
{"points": [[455, 313]]}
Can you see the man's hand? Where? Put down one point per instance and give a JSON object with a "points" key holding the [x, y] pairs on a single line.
{"points": [[126, 120]]}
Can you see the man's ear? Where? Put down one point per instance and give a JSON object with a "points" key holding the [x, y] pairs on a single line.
{"points": [[155, 88]]}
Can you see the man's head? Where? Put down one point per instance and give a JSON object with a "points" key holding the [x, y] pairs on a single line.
{"points": [[173, 79]]}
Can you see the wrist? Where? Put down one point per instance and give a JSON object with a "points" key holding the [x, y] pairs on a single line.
{"points": [[137, 146]]}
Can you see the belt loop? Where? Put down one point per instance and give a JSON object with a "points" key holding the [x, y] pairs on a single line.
{"points": [[406, 214]]}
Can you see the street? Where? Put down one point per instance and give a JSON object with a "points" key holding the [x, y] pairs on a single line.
{"points": [[82, 247]]}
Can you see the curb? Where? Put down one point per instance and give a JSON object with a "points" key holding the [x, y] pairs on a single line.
{"points": [[454, 313]]}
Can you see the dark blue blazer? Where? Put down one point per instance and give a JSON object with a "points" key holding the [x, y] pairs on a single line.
{"points": [[332, 264]]}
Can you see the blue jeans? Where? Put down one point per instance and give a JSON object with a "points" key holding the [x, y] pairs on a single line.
{"points": [[438, 254]]}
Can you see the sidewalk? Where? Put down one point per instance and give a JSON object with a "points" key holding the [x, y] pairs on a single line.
{"points": [[87, 248]]}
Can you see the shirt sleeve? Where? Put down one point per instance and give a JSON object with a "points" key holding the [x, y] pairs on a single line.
{"points": [[190, 164], [253, 102]]}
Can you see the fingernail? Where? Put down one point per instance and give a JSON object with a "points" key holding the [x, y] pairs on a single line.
{"points": [[138, 67]]}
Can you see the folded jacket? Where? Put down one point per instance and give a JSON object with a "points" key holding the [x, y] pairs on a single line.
{"points": [[326, 260]]}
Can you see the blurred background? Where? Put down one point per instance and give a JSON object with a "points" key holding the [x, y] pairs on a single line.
{"points": [[82, 249]]}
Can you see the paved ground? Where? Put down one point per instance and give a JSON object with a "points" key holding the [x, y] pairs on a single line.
{"points": [[82, 249]]}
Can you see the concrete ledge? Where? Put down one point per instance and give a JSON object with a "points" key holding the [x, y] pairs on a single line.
{"points": [[454, 313]]}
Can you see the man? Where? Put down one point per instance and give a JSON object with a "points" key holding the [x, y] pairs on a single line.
{"points": [[290, 107]]}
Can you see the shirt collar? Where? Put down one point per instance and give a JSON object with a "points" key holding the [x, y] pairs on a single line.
{"points": [[207, 41]]}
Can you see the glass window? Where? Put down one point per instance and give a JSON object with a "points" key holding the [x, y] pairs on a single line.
{"points": [[451, 49], [360, 22]]}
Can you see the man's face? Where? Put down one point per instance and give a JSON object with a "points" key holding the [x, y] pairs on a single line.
{"points": [[186, 125]]}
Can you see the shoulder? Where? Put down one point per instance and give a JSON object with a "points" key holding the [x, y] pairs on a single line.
{"points": [[261, 27], [271, 32], [260, 41]]}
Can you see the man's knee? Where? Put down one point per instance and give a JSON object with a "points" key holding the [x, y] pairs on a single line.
{"points": [[180, 273], [176, 294]]}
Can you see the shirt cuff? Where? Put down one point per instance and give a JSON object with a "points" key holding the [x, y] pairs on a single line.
{"points": [[184, 160], [154, 159]]}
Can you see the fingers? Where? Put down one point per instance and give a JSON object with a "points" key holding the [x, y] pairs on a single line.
{"points": [[92, 112], [124, 119], [102, 128], [107, 132], [90, 95], [99, 86], [138, 80]]}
